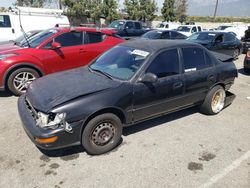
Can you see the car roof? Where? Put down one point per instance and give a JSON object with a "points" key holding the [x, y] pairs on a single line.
{"points": [[88, 29], [157, 45], [214, 32]]}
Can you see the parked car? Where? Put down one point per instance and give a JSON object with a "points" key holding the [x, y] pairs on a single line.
{"points": [[247, 62], [130, 83], [50, 51], [167, 26], [221, 42], [128, 28], [31, 19], [159, 34], [189, 29]]}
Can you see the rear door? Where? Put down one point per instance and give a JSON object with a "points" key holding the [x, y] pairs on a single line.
{"points": [[164, 95], [6, 31], [199, 74], [229, 44]]}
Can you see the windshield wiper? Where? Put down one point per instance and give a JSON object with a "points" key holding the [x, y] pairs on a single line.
{"points": [[99, 71]]}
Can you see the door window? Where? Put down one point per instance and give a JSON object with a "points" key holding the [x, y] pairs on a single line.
{"points": [[5, 21], [194, 30], [137, 25], [93, 37], [165, 64], [175, 35], [194, 59], [129, 25], [199, 28], [70, 39], [229, 37], [165, 35], [219, 39]]}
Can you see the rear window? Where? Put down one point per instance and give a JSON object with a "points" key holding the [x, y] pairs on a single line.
{"points": [[5, 21]]}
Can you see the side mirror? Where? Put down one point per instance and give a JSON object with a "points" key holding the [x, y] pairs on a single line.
{"points": [[148, 78], [55, 45]]}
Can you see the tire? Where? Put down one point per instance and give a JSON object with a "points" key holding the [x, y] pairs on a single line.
{"points": [[19, 80], [247, 71], [236, 53], [102, 134], [214, 101]]}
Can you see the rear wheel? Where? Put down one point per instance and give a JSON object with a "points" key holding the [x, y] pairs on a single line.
{"points": [[20, 79], [102, 134], [214, 101]]}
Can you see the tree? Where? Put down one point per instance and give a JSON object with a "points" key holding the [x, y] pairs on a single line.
{"points": [[141, 9], [30, 3], [132, 7], [147, 9], [168, 11], [109, 10], [181, 10]]}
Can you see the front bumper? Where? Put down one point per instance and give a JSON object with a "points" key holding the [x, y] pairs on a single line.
{"points": [[65, 139]]}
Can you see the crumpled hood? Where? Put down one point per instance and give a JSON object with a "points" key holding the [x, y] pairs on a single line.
{"points": [[7, 48], [50, 91]]}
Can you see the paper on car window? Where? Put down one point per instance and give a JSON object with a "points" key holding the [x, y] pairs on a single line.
{"points": [[189, 70], [140, 53], [211, 34]]}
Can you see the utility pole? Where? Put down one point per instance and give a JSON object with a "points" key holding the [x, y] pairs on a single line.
{"points": [[215, 10], [60, 4]]}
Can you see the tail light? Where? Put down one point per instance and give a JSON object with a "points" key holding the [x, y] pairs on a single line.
{"points": [[248, 53]]}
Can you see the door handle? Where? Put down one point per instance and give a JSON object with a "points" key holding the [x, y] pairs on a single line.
{"points": [[177, 85], [13, 30], [82, 50]]}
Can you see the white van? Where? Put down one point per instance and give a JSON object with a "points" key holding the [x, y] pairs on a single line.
{"points": [[167, 26], [31, 19], [189, 29]]}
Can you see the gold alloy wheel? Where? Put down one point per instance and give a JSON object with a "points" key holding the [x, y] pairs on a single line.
{"points": [[218, 100]]}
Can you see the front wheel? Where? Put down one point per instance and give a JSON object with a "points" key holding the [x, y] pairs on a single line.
{"points": [[214, 101], [102, 134], [20, 79]]}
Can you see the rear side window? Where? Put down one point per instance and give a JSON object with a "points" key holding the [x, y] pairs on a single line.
{"points": [[194, 59], [229, 37], [137, 25], [70, 39], [165, 35], [165, 64], [93, 37], [5, 21], [199, 28]]}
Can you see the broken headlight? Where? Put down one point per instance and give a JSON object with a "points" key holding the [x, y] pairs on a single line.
{"points": [[52, 121]]}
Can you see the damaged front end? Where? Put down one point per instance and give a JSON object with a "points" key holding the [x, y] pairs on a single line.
{"points": [[50, 120]]}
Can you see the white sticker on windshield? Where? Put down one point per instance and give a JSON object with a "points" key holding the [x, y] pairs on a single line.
{"points": [[140, 53], [189, 70], [211, 34]]}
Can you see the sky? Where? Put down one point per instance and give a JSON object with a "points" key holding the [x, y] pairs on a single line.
{"points": [[196, 7]]}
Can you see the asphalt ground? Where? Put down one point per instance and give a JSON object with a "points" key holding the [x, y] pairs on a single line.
{"points": [[183, 149]]}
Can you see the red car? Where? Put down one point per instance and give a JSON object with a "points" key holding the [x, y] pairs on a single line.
{"points": [[50, 51]]}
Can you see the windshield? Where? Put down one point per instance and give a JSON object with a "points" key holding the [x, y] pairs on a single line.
{"points": [[152, 35], [37, 39], [202, 36], [184, 28], [120, 62], [116, 24]]}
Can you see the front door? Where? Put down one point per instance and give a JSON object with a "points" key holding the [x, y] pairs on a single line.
{"points": [[151, 99], [68, 56]]}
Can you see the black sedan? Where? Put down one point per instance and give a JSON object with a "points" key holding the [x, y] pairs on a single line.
{"points": [[130, 83], [168, 34], [221, 42]]}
